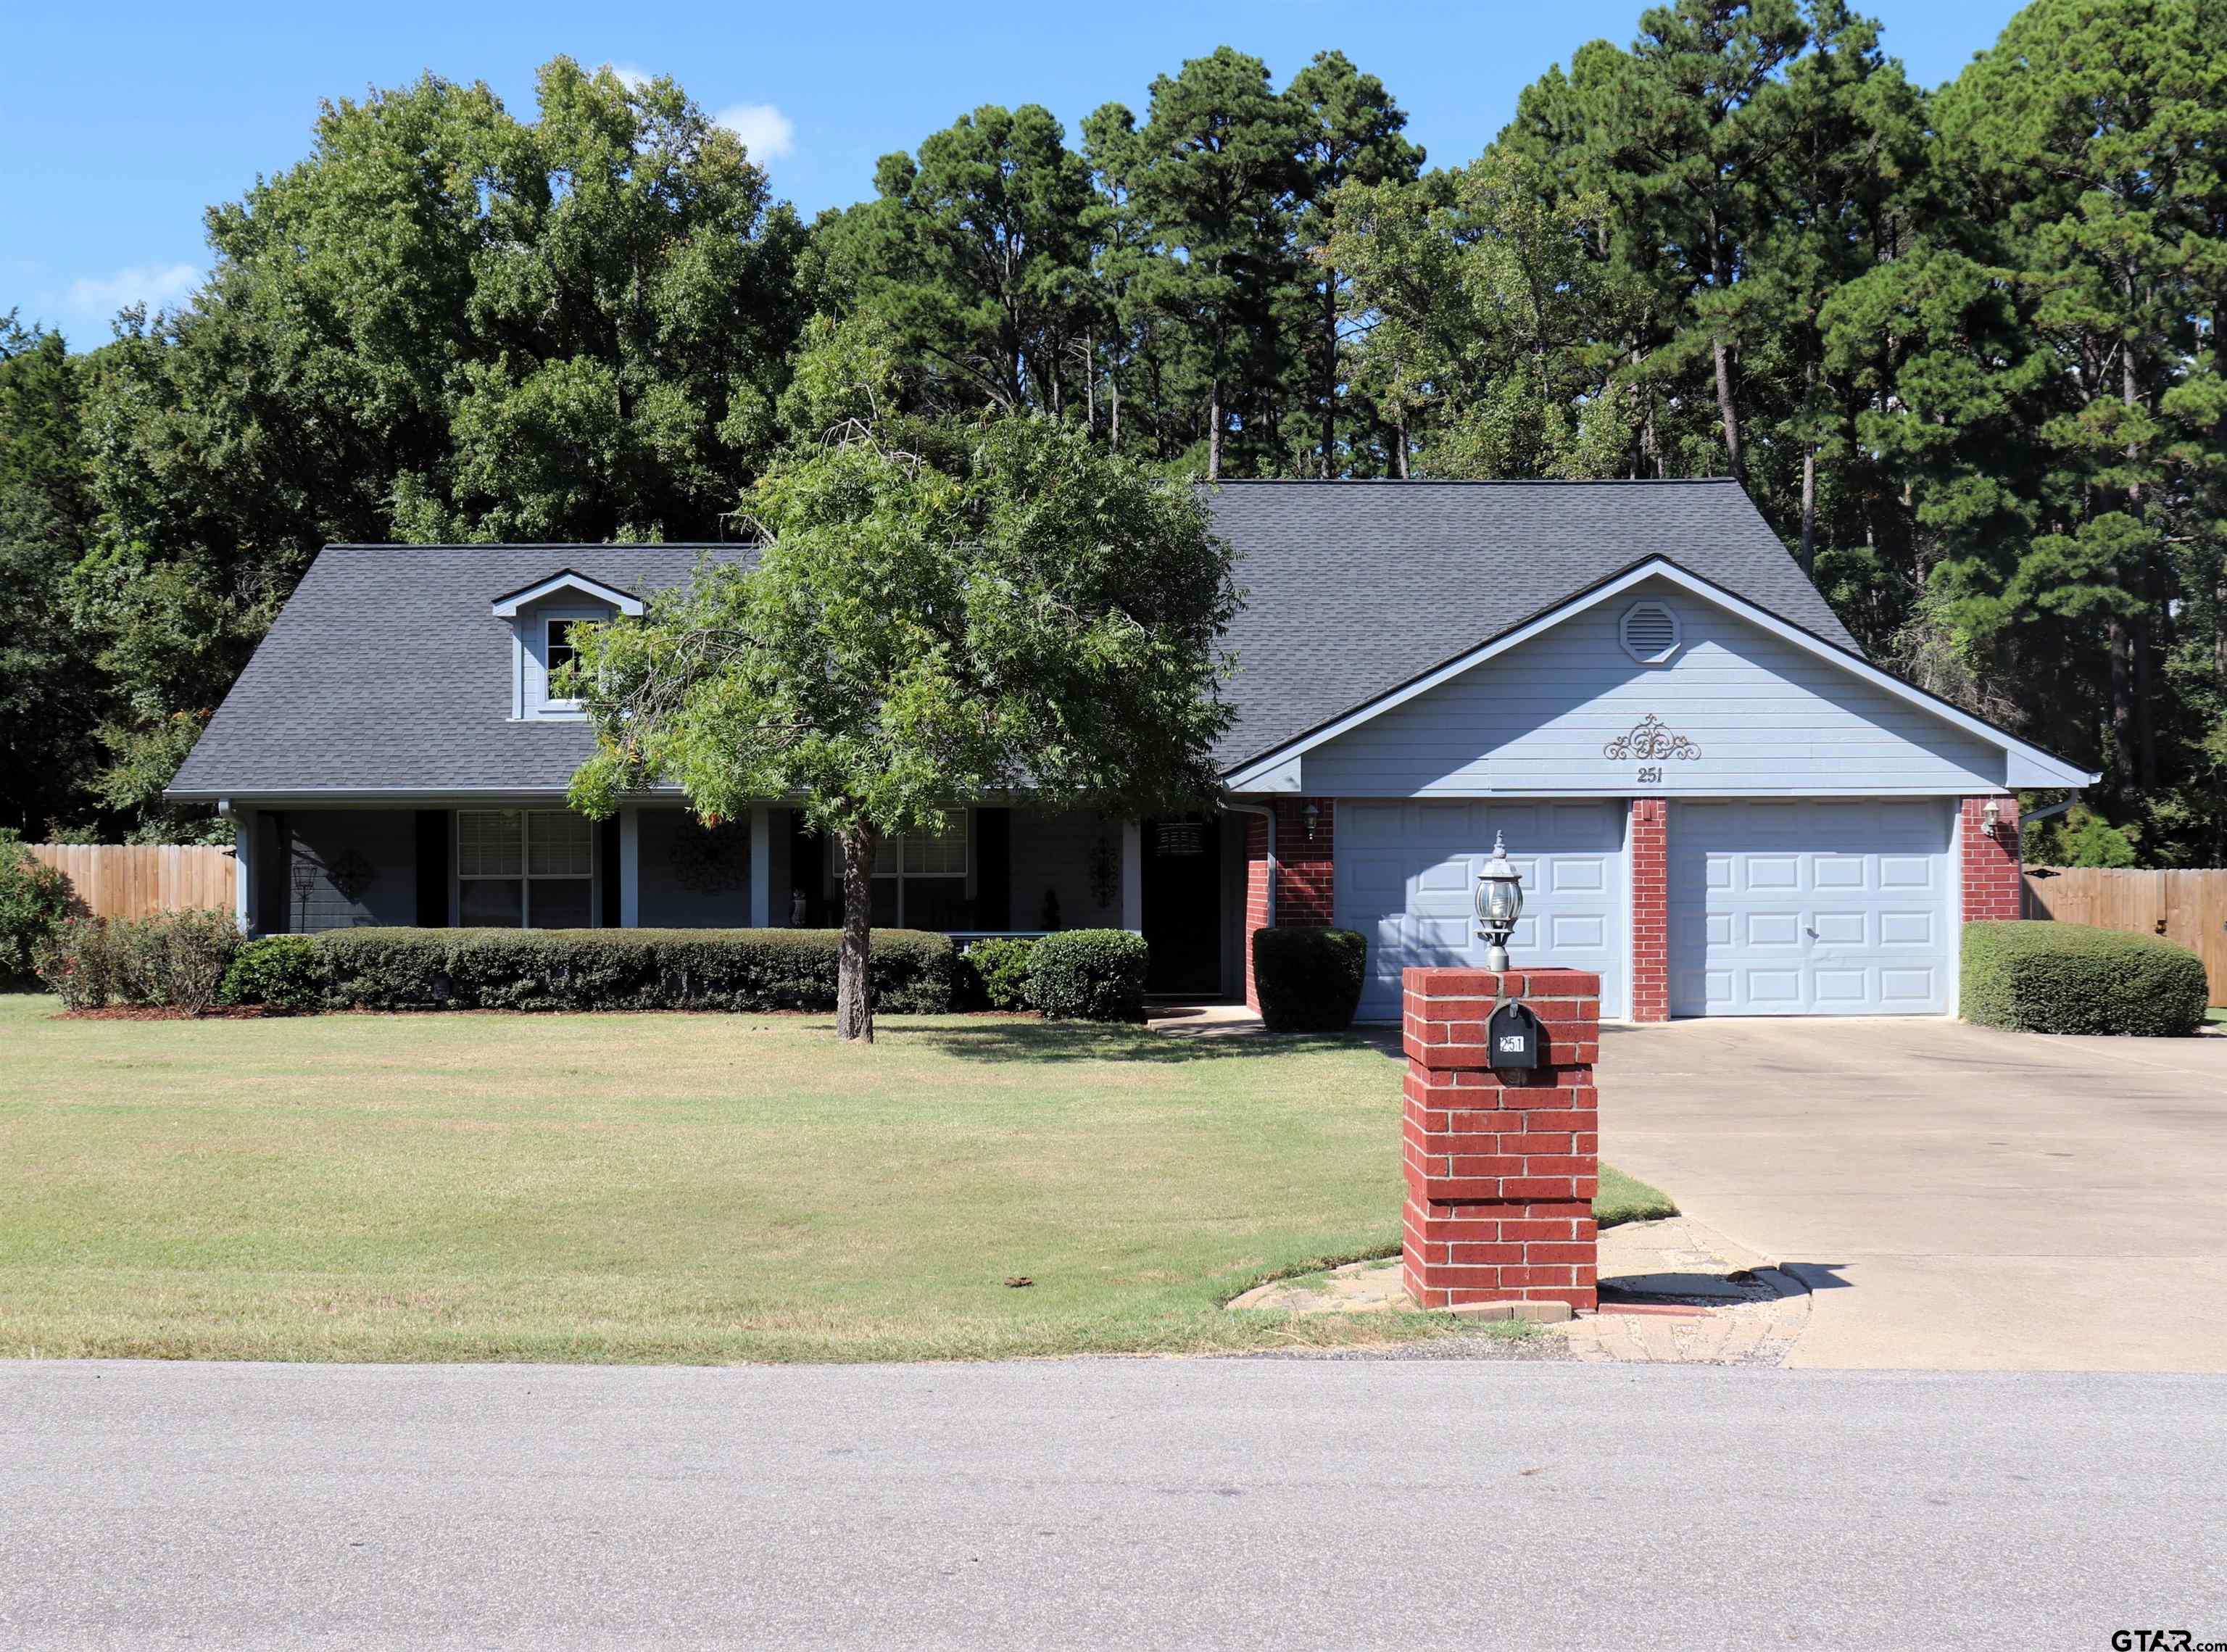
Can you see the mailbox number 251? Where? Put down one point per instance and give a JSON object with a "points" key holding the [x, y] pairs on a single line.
{"points": [[1651, 775]]}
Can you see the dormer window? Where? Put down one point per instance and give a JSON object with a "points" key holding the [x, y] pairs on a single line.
{"points": [[558, 655], [542, 617]]}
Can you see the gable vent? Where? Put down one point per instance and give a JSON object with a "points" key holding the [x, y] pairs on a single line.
{"points": [[1650, 633]]}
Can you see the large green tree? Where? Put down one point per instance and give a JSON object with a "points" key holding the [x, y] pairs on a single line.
{"points": [[939, 611], [446, 323]]}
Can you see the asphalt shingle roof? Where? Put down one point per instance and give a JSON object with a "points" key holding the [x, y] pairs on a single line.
{"points": [[386, 672], [1356, 588]]}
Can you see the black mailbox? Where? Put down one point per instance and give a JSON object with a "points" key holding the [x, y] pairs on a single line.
{"points": [[1514, 1038]]}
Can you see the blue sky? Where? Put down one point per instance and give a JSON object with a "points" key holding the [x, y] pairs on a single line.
{"points": [[118, 126]]}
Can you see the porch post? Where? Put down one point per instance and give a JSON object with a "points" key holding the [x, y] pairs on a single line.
{"points": [[243, 868], [629, 869], [761, 867], [1132, 877]]}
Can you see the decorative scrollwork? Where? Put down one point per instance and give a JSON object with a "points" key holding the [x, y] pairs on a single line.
{"points": [[352, 875], [1650, 742]]}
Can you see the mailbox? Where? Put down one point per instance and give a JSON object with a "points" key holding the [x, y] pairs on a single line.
{"points": [[1514, 1038]]}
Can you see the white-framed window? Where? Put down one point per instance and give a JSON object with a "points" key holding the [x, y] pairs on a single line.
{"points": [[525, 869], [920, 875], [557, 652]]}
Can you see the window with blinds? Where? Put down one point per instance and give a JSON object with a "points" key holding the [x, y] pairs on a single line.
{"points": [[531, 869], [920, 880]]}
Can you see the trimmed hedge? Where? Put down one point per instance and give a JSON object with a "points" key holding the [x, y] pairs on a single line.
{"points": [[743, 970], [1089, 975], [284, 973], [994, 972], [1309, 981], [2038, 976]]}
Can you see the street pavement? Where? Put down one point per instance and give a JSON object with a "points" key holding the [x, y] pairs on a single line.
{"points": [[1137, 1504]]}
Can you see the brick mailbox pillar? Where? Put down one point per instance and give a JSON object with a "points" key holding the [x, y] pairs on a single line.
{"points": [[1500, 1167]]}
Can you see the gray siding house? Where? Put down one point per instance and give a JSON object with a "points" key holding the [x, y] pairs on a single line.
{"points": [[1716, 800]]}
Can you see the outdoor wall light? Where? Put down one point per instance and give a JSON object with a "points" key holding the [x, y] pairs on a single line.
{"points": [[1499, 904], [1991, 818], [1313, 811]]}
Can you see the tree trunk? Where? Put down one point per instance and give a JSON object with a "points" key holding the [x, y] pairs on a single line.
{"points": [[1329, 374], [1729, 410], [1809, 510], [854, 1002], [1214, 431]]}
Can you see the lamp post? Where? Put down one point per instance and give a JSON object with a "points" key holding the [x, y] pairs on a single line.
{"points": [[1499, 904]]}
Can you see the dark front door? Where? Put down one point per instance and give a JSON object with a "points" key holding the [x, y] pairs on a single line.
{"points": [[1183, 904]]}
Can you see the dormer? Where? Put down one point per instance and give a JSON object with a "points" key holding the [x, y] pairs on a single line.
{"points": [[541, 616]]}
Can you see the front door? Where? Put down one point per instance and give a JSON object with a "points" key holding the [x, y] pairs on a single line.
{"points": [[1183, 904]]}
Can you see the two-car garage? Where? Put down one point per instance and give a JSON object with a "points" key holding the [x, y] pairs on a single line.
{"points": [[1775, 906]]}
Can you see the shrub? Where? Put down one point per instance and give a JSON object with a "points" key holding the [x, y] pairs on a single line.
{"points": [[35, 900], [2045, 977], [912, 972], [1089, 975], [995, 971], [1309, 979], [173, 960], [284, 973]]}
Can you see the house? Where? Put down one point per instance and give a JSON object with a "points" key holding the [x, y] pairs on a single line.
{"points": [[1715, 801]]}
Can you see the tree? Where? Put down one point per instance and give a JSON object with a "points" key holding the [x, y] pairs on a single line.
{"points": [[445, 323], [54, 693], [1350, 132], [939, 611], [976, 257], [1209, 183]]}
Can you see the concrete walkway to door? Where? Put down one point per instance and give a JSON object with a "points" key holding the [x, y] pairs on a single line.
{"points": [[1957, 1198]]}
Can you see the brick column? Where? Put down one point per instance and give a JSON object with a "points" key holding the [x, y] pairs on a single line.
{"points": [[1651, 909], [1306, 890], [1995, 879], [1500, 1167], [1256, 895]]}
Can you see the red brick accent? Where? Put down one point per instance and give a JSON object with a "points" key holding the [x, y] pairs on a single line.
{"points": [[1500, 1167], [1651, 909], [1306, 879], [1307, 886], [1995, 879], [1256, 895]]}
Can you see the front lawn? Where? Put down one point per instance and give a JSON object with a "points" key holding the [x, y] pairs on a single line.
{"points": [[674, 1186]]}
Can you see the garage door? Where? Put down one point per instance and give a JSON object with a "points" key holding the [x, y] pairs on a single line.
{"points": [[1811, 907], [1406, 872]]}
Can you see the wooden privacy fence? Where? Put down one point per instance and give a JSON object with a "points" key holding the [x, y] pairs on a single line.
{"points": [[2187, 906], [136, 880]]}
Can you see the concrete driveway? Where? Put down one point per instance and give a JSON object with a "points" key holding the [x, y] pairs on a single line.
{"points": [[1956, 1198]]}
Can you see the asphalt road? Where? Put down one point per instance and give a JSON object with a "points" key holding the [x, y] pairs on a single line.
{"points": [[1414, 1503]]}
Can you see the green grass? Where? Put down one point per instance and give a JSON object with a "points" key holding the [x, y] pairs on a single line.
{"points": [[676, 1187], [2215, 1016], [1626, 1198]]}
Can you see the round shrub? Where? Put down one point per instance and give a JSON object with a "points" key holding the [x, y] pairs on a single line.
{"points": [[1089, 975], [999, 967], [2038, 976], [1309, 979], [284, 973], [34, 899], [172, 960]]}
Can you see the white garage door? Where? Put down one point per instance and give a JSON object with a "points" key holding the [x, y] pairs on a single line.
{"points": [[1798, 907], [1405, 874]]}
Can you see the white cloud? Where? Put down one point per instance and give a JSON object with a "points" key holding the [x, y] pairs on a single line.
{"points": [[98, 298], [632, 76], [767, 133]]}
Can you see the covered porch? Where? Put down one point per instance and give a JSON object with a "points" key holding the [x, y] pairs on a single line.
{"points": [[511, 864]]}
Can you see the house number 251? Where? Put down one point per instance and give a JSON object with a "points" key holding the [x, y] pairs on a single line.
{"points": [[1651, 775]]}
